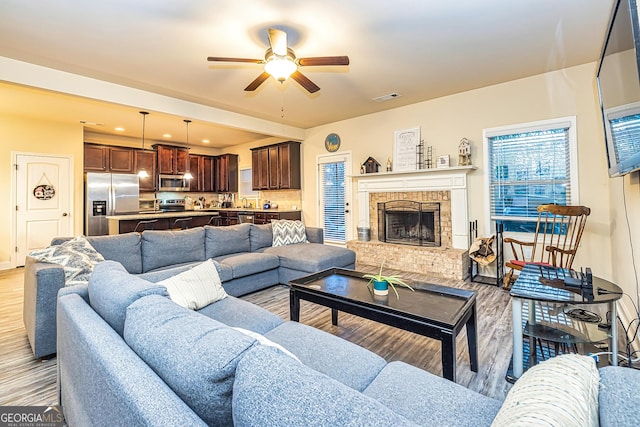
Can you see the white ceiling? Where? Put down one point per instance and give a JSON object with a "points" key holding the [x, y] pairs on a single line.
{"points": [[420, 49]]}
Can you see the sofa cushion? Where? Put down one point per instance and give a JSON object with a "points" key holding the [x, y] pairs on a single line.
{"points": [[235, 312], [312, 257], [195, 288], [227, 240], [262, 340], [124, 248], [260, 236], [398, 380], [561, 391], [161, 248], [618, 396], [288, 232], [195, 355], [246, 264], [272, 389], [76, 256], [112, 289], [341, 360]]}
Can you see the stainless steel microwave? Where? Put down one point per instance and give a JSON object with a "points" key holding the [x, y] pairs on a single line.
{"points": [[172, 183]]}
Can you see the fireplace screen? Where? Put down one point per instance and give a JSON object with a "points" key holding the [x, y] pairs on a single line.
{"points": [[409, 223]]}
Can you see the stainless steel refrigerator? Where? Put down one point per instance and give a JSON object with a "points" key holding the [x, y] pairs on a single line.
{"points": [[109, 194]]}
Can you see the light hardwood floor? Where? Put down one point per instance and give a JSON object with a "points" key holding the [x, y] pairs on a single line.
{"points": [[28, 381]]}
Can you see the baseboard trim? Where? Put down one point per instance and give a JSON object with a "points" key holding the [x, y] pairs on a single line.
{"points": [[5, 265]]}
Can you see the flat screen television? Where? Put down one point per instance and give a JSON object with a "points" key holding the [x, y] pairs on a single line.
{"points": [[618, 78]]}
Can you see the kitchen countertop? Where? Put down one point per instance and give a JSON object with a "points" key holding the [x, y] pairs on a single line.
{"points": [[197, 212]]}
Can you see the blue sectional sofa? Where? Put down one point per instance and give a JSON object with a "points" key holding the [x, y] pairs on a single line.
{"points": [[128, 355], [243, 254]]}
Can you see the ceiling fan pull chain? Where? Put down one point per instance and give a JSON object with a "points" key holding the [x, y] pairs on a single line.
{"points": [[282, 104]]}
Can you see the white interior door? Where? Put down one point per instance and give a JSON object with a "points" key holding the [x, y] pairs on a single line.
{"points": [[43, 196]]}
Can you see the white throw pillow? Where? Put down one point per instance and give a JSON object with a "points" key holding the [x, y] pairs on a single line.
{"points": [[76, 256], [288, 232], [197, 287], [266, 341], [561, 391]]}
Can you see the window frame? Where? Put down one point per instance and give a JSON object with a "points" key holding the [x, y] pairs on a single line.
{"points": [[541, 125]]}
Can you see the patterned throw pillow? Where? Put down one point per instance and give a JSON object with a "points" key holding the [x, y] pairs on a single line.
{"points": [[195, 288], [561, 391], [76, 256], [288, 232]]}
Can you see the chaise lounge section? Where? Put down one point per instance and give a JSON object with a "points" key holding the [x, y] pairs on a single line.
{"points": [[243, 254]]}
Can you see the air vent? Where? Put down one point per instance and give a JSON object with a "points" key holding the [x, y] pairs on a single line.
{"points": [[386, 97]]}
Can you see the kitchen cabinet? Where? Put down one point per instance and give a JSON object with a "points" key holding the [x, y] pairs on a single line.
{"points": [[260, 169], [228, 218], [202, 168], [96, 158], [146, 159], [172, 160], [105, 158], [267, 217], [276, 167], [226, 173]]}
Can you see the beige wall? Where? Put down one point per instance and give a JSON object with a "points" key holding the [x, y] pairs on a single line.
{"points": [[26, 135]]}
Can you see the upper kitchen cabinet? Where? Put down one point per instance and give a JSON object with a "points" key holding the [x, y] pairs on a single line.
{"points": [[226, 173], [172, 160], [276, 167], [105, 158], [146, 159], [260, 168], [202, 169]]}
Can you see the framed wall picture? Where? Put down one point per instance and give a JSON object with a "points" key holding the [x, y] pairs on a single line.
{"points": [[404, 149], [443, 161]]}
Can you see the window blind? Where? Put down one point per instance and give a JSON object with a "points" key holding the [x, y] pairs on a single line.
{"points": [[625, 132], [528, 169], [332, 201]]}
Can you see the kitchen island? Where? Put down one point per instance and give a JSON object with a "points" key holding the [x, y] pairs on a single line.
{"points": [[119, 224]]}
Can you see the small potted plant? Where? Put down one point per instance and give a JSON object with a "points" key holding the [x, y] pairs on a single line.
{"points": [[381, 283]]}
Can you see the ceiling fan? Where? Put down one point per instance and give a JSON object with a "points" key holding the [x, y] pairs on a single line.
{"points": [[280, 62]]}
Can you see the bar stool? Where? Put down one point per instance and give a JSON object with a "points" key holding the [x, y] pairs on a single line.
{"points": [[214, 220], [181, 223], [147, 224]]}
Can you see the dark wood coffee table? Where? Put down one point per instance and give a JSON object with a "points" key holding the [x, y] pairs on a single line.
{"points": [[434, 311]]}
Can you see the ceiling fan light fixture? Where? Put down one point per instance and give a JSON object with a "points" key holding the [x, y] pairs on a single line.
{"points": [[280, 68], [187, 175]]}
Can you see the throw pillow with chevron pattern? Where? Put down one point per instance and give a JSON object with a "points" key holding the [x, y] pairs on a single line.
{"points": [[76, 256], [288, 232]]}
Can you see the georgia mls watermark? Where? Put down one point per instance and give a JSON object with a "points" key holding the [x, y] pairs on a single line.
{"points": [[31, 416]]}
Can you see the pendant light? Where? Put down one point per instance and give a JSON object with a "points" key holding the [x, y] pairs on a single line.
{"points": [[187, 174], [142, 172]]}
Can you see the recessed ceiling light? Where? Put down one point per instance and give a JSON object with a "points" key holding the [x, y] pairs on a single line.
{"points": [[119, 129], [205, 141], [84, 122], [166, 135]]}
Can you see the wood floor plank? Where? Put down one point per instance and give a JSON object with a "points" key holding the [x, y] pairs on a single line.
{"points": [[25, 380]]}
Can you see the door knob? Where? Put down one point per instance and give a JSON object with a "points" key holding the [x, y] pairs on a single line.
{"points": [[65, 214], [346, 211]]}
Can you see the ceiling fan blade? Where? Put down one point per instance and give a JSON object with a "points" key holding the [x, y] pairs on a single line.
{"points": [[257, 82], [305, 82], [324, 60], [224, 59], [278, 41]]}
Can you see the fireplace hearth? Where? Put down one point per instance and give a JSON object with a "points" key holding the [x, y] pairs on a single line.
{"points": [[409, 223]]}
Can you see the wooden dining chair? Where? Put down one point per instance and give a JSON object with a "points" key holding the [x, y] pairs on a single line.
{"points": [[555, 243]]}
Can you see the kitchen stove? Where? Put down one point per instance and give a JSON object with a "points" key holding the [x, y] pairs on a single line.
{"points": [[172, 205]]}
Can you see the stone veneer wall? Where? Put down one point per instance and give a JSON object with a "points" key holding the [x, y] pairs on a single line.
{"points": [[442, 197], [443, 261]]}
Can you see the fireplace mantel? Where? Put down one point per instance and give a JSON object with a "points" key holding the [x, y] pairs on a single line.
{"points": [[453, 179]]}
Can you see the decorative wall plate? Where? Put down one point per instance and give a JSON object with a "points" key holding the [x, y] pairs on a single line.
{"points": [[332, 142]]}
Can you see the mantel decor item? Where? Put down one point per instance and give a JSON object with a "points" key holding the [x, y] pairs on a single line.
{"points": [[404, 149], [443, 161], [371, 165], [381, 283], [332, 142], [464, 152]]}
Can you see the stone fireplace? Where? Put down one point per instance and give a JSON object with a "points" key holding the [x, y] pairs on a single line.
{"points": [[416, 201]]}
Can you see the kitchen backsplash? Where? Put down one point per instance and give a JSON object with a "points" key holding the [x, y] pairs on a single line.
{"points": [[285, 199]]}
